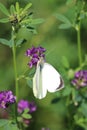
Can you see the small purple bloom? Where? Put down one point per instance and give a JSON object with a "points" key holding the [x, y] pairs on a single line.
{"points": [[45, 129], [41, 49], [6, 98], [31, 51], [26, 122], [80, 79], [23, 104], [33, 62], [32, 107], [35, 54]]}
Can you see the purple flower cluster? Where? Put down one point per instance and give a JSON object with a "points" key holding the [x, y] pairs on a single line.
{"points": [[6, 98], [80, 79], [35, 54], [23, 104]]}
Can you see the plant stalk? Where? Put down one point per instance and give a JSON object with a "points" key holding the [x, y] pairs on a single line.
{"points": [[15, 70], [79, 45]]}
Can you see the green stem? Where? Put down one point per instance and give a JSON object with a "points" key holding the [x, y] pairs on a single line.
{"points": [[20, 126], [14, 62], [79, 45], [15, 70]]}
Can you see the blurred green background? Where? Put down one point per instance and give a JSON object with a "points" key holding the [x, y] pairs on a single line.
{"points": [[58, 43]]}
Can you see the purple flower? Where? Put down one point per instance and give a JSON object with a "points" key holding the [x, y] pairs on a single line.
{"points": [[26, 122], [6, 98], [31, 51], [32, 107], [35, 54], [23, 104], [45, 129], [33, 62], [80, 79]]}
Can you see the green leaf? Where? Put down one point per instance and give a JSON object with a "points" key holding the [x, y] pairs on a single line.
{"points": [[63, 18], [83, 109], [21, 41], [26, 110], [67, 91], [4, 20], [26, 21], [32, 72], [69, 2], [29, 78], [7, 125], [70, 74], [26, 116], [14, 127], [34, 31], [11, 127], [29, 83], [17, 7], [3, 122], [37, 21], [4, 41], [11, 42], [27, 7], [65, 62], [4, 9], [19, 119], [65, 26], [12, 9]]}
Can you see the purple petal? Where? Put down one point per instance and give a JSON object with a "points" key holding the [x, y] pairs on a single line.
{"points": [[23, 104], [32, 107]]}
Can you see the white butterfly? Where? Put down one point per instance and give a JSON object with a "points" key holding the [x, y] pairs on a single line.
{"points": [[46, 78]]}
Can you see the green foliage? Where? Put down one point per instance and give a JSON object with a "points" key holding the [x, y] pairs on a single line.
{"points": [[11, 127], [29, 82], [27, 7], [3, 122], [20, 42], [37, 21], [30, 77], [19, 119], [12, 10], [26, 116], [20, 17], [6, 42], [65, 62], [26, 110], [69, 2], [4, 9], [7, 125], [17, 7], [66, 22], [4, 20]]}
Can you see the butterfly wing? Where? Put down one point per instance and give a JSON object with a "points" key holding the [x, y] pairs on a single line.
{"points": [[51, 79], [38, 89], [46, 78]]}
